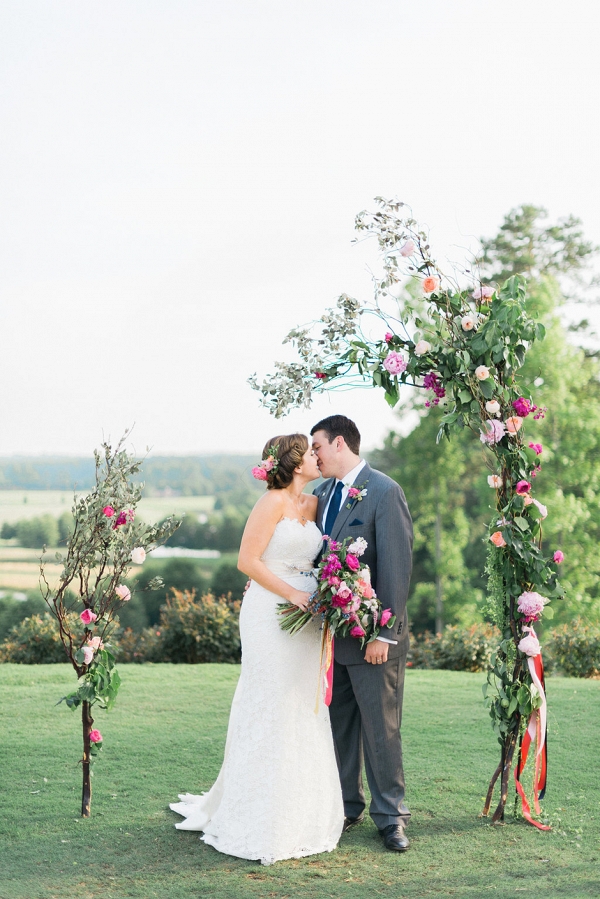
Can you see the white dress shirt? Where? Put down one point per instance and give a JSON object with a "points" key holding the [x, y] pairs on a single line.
{"points": [[348, 481]]}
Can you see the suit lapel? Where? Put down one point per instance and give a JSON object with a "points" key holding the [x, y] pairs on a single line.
{"points": [[344, 513], [323, 499]]}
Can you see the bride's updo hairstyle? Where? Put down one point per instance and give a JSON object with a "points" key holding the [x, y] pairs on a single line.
{"points": [[291, 449]]}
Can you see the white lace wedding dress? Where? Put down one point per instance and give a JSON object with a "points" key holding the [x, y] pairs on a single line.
{"points": [[277, 795]]}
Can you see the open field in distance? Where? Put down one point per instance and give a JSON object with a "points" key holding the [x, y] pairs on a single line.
{"points": [[18, 504]]}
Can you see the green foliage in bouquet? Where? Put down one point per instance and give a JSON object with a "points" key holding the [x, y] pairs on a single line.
{"points": [[463, 343], [104, 542]]}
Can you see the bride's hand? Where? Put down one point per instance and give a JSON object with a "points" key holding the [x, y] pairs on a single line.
{"points": [[300, 598]]}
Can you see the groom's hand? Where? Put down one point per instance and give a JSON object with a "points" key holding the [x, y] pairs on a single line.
{"points": [[377, 652]]}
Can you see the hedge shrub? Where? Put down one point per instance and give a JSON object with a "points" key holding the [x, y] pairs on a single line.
{"points": [[455, 648]]}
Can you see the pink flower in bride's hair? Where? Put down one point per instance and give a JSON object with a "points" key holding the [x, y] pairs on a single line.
{"points": [[352, 562], [523, 487], [385, 617], [259, 473], [558, 557], [537, 447], [394, 363], [530, 645], [95, 736], [87, 616], [357, 631], [388, 336], [513, 424], [123, 592], [408, 248], [522, 407], [269, 463], [88, 654], [497, 539], [430, 284], [108, 511]]}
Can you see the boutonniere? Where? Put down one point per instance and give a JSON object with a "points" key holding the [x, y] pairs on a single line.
{"points": [[356, 493]]}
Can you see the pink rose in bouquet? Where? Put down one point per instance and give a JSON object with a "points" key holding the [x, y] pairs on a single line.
{"points": [[357, 631], [385, 617], [352, 562]]}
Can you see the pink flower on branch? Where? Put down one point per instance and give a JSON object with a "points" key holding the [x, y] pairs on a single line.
{"points": [[537, 447], [523, 487], [484, 293], [513, 424], [530, 645], [495, 431], [88, 617], [95, 736], [388, 336], [497, 539], [558, 556], [123, 592], [522, 407], [531, 604], [108, 511], [430, 284], [394, 363], [408, 248]]}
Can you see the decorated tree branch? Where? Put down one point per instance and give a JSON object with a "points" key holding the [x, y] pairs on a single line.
{"points": [[106, 539], [463, 343]]}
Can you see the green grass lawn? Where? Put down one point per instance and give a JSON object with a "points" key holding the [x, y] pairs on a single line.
{"points": [[166, 735]]}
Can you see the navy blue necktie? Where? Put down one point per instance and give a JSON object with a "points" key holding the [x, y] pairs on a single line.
{"points": [[334, 507]]}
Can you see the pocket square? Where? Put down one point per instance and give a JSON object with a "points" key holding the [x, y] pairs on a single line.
{"points": [[356, 521]]}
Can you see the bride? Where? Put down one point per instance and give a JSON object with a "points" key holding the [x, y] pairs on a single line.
{"points": [[277, 795]]}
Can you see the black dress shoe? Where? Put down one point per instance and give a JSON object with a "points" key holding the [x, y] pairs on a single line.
{"points": [[350, 822], [394, 838]]}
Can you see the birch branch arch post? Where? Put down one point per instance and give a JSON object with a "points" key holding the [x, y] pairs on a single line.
{"points": [[464, 345]]}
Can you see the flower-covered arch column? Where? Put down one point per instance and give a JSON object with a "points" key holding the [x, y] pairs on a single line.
{"points": [[463, 342]]}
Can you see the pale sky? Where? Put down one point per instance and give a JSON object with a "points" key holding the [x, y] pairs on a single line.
{"points": [[180, 180]]}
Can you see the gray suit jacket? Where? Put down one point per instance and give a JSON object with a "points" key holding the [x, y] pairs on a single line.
{"points": [[383, 519]]}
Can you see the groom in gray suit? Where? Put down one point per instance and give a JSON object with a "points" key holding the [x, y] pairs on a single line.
{"points": [[368, 684]]}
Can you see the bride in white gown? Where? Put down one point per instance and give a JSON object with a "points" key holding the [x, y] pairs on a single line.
{"points": [[278, 794]]}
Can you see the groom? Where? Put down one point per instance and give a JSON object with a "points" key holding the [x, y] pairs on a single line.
{"points": [[366, 708]]}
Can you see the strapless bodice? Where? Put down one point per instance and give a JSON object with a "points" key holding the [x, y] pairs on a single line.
{"points": [[293, 547]]}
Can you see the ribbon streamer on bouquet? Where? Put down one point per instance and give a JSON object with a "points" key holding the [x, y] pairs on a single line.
{"points": [[325, 685], [536, 734]]}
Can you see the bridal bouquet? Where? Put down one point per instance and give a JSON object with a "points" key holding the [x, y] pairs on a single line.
{"points": [[344, 600]]}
